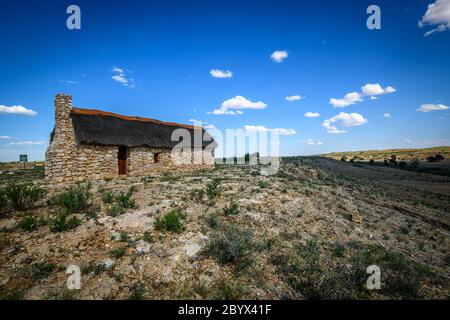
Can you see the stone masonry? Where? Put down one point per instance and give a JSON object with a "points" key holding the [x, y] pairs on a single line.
{"points": [[69, 161]]}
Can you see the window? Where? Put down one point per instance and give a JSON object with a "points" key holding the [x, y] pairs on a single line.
{"points": [[156, 157]]}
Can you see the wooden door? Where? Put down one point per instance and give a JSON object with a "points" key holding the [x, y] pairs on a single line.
{"points": [[123, 160]]}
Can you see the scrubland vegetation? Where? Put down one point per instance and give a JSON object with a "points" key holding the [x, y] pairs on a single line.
{"points": [[308, 232]]}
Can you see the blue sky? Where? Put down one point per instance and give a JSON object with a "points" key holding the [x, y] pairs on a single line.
{"points": [[166, 50]]}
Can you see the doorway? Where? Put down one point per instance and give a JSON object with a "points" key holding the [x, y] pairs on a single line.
{"points": [[123, 151]]}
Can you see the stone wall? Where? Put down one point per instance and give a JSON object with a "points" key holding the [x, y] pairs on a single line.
{"points": [[141, 161], [68, 161]]}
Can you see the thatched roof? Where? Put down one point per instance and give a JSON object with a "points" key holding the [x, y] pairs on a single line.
{"points": [[105, 128]]}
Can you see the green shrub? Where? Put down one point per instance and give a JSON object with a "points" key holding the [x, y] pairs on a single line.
{"points": [[197, 195], [94, 268], [23, 196], [212, 188], [63, 221], [117, 253], [171, 221], [137, 292], [107, 197], [41, 270], [402, 277], [212, 220], [3, 200], [232, 245], [125, 200], [232, 209], [115, 210], [302, 269], [224, 289], [74, 199], [29, 223], [167, 176], [263, 184]]}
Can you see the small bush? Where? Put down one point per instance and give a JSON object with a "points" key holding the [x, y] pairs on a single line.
{"points": [[74, 199], [115, 210], [137, 292], [212, 220], [23, 196], [117, 253], [344, 159], [107, 197], [232, 209], [233, 246], [415, 163], [3, 200], [197, 195], [263, 184], [168, 177], [171, 221], [29, 223], [223, 289], [372, 161], [94, 268], [212, 188], [41, 270], [125, 200], [63, 221]]}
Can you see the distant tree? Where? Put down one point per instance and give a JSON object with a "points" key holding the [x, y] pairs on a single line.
{"points": [[247, 158], [402, 163], [431, 159], [386, 162], [393, 159], [415, 163], [344, 158], [372, 161], [439, 157]]}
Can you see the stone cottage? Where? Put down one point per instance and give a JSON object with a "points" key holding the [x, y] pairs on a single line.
{"points": [[92, 144]]}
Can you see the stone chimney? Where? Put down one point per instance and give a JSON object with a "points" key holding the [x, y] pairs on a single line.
{"points": [[63, 108]]}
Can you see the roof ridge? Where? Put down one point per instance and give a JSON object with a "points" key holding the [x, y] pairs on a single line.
{"points": [[95, 112]]}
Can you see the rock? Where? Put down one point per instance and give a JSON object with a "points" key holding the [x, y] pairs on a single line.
{"points": [[108, 263], [7, 224], [142, 247], [356, 218], [137, 221]]}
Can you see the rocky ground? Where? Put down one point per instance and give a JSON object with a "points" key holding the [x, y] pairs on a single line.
{"points": [[308, 232]]}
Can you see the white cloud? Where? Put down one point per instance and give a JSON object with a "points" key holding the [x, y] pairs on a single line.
{"points": [[17, 110], [203, 124], [432, 107], [278, 56], [312, 142], [7, 138], [232, 106], [121, 76], [375, 89], [280, 131], [216, 73], [438, 16], [296, 97], [28, 143], [67, 81], [386, 115], [312, 115], [371, 90], [349, 99], [343, 120]]}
